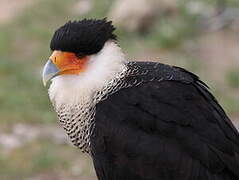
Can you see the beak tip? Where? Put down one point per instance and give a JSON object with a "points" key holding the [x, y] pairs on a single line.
{"points": [[49, 72]]}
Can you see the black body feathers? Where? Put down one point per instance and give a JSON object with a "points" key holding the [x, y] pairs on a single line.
{"points": [[165, 125], [168, 127], [86, 37]]}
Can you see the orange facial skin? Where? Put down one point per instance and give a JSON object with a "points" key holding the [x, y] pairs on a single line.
{"points": [[68, 62]]}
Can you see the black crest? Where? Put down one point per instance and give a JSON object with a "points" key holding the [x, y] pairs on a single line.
{"points": [[87, 36]]}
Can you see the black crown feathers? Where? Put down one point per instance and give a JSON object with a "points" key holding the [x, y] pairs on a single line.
{"points": [[87, 36]]}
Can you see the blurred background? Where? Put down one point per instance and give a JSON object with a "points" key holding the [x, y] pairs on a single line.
{"points": [[199, 35]]}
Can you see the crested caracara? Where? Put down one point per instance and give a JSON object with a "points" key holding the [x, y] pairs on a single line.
{"points": [[137, 120]]}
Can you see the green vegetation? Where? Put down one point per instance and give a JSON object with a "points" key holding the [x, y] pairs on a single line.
{"points": [[233, 78], [36, 158]]}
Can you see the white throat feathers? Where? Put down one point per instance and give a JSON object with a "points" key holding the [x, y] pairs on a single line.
{"points": [[101, 69]]}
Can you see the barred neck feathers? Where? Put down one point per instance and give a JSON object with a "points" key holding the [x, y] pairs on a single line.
{"points": [[101, 69]]}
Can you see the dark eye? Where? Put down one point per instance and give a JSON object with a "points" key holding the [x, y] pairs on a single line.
{"points": [[54, 60], [80, 55]]}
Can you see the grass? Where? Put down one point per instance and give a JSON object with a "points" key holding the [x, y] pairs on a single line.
{"points": [[171, 32], [39, 157], [232, 77]]}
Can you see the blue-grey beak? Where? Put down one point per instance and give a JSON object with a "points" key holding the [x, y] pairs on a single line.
{"points": [[49, 71]]}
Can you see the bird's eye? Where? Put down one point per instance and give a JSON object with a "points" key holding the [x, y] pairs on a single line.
{"points": [[54, 60], [80, 55]]}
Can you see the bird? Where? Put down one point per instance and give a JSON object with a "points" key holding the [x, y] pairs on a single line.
{"points": [[136, 120]]}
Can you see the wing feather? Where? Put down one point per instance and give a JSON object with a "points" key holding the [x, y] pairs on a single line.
{"points": [[169, 129]]}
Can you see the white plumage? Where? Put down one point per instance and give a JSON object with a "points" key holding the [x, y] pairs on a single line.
{"points": [[101, 68]]}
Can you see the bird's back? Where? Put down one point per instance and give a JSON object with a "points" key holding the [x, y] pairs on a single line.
{"points": [[163, 125]]}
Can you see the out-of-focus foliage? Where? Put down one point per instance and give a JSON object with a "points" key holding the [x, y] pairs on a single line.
{"points": [[233, 78], [194, 35]]}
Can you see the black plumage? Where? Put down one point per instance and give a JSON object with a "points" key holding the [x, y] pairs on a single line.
{"points": [[165, 125], [87, 36], [168, 126]]}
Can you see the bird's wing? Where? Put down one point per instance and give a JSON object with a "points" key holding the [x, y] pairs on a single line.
{"points": [[169, 128]]}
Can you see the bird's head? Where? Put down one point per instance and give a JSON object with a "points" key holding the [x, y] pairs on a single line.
{"points": [[73, 44], [84, 55]]}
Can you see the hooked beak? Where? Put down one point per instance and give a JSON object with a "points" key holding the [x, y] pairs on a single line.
{"points": [[49, 71]]}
